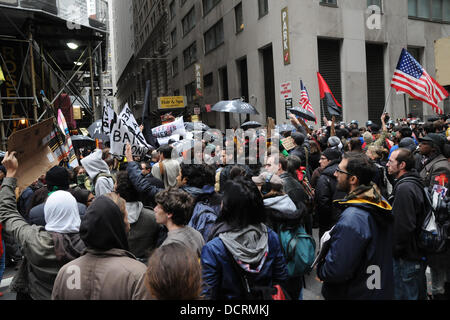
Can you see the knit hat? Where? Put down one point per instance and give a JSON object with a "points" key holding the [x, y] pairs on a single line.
{"points": [[408, 143], [335, 142], [332, 154], [298, 137], [57, 177]]}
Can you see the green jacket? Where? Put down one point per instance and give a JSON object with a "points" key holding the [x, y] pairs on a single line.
{"points": [[40, 266]]}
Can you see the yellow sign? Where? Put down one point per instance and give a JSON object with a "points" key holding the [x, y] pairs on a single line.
{"points": [[171, 102], [77, 113]]}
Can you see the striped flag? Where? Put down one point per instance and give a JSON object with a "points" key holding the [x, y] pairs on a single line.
{"points": [[305, 103], [411, 78]]}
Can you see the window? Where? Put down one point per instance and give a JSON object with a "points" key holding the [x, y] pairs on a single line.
{"points": [[214, 37], [176, 93], [172, 10], [263, 7], [208, 5], [239, 18], [174, 67], [208, 80], [433, 10], [190, 55], [173, 38], [329, 2], [378, 3], [188, 21], [190, 92]]}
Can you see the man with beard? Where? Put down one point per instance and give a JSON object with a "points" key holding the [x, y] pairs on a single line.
{"points": [[408, 208], [358, 264]]}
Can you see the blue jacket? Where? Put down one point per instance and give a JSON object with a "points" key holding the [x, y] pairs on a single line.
{"points": [[360, 243], [220, 279]]}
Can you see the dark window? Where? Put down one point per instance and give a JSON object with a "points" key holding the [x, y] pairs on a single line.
{"points": [[173, 37], [172, 10], [190, 92], [214, 37], [329, 2], [208, 80], [375, 81], [188, 21], [208, 5], [263, 7], [190, 55], [378, 3], [239, 18], [434, 10]]}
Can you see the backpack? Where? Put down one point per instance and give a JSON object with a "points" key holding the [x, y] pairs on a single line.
{"points": [[433, 234], [299, 250], [209, 215], [255, 292]]}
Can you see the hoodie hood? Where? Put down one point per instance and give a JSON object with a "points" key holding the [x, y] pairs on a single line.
{"points": [[196, 192], [281, 203], [103, 226], [134, 210], [94, 164], [249, 246], [369, 198]]}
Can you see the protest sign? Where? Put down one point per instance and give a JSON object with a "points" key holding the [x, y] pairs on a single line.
{"points": [[169, 131], [109, 115], [288, 143], [32, 151], [127, 118], [120, 136], [69, 151]]}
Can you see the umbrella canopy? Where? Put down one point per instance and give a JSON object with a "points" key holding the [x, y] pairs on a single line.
{"points": [[234, 106], [191, 126], [303, 113], [285, 127], [95, 131], [82, 141], [251, 125]]}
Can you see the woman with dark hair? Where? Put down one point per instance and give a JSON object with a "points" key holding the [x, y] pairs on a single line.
{"points": [[174, 273], [241, 245]]}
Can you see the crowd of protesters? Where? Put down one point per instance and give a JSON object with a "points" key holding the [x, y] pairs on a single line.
{"points": [[154, 228]]}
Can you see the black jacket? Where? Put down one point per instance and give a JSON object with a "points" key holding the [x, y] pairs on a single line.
{"points": [[325, 193], [408, 208], [294, 189]]}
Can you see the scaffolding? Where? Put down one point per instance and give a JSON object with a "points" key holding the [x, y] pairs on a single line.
{"points": [[57, 78]]}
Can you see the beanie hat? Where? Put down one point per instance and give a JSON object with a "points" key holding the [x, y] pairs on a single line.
{"points": [[332, 154], [57, 177], [335, 143], [298, 137], [408, 143]]}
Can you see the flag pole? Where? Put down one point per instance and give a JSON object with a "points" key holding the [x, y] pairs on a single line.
{"points": [[388, 99]]}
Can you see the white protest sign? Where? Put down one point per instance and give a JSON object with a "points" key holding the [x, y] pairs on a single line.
{"points": [[286, 90], [169, 131], [108, 116], [127, 118], [120, 136]]}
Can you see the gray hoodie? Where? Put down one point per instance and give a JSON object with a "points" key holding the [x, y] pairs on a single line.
{"points": [[94, 165], [282, 203], [249, 245], [134, 210]]}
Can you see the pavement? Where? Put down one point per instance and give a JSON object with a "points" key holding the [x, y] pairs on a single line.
{"points": [[6, 281]]}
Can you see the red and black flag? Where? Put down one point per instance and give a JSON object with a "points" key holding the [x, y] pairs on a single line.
{"points": [[334, 108]]}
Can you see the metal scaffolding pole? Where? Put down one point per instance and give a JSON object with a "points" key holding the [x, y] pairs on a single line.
{"points": [[91, 68], [33, 78]]}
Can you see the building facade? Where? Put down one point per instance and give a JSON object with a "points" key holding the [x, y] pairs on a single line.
{"points": [[256, 49]]}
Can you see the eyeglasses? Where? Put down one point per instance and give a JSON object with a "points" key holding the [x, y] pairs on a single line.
{"points": [[340, 171]]}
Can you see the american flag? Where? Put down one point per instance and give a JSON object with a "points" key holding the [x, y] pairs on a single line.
{"points": [[305, 103], [410, 77]]}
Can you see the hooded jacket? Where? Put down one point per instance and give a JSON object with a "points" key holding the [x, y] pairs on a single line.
{"points": [[256, 249], [325, 194], [144, 229], [44, 252], [360, 249], [281, 210], [94, 165], [107, 270]]}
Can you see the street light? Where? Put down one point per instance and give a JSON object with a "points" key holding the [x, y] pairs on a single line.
{"points": [[72, 45]]}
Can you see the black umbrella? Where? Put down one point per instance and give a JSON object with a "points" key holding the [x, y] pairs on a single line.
{"points": [[79, 141], [285, 127], [234, 106], [303, 113], [95, 131], [197, 126], [251, 125]]}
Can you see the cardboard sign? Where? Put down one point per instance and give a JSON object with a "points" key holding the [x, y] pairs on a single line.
{"points": [[34, 156], [288, 143], [169, 131]]}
